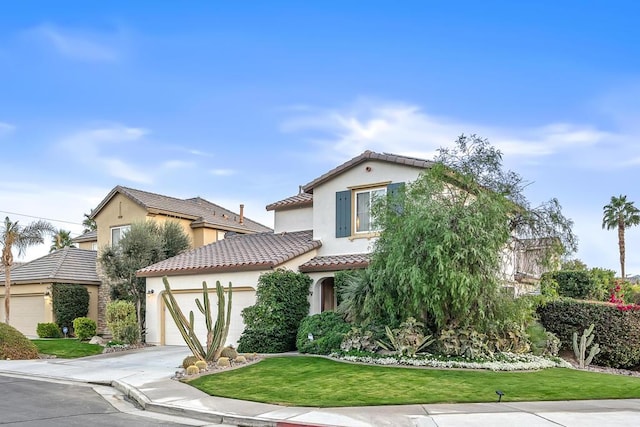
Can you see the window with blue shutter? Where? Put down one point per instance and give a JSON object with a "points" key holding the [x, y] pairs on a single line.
{"points": [[343, 213]]}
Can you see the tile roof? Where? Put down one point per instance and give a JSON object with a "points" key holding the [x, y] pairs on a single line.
{"points": [[200, 211], [237, 253], [67, 265], [368, 155], [89, 236], [299, 200], [336, 262]]}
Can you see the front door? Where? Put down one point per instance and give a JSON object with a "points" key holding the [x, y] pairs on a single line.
{"points": [[328, 295]]}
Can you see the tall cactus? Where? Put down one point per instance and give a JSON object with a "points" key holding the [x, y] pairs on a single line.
{"points": [[216, 333], [580, 350]]}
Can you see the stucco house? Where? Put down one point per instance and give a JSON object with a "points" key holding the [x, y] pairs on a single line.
{"points": [[324, 228], [203, 221], [32, 282]]}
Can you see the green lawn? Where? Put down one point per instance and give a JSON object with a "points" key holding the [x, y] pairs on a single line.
{"points": [[313, 381], [67, 348]]}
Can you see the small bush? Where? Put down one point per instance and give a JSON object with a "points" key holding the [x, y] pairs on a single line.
{"points": [[617, 332], [48, 330], [263, 340], [188, 361], [121, 321], [576, 284], [14, 345], [69, 302], [328, 329], [84, 328]]}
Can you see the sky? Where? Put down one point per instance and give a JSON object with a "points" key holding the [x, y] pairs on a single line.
{"points": [[242, 102]]}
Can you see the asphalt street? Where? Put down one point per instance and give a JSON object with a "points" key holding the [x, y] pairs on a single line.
{"points": [[37, 403]]}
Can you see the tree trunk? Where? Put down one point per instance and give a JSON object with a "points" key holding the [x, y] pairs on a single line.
{"points": [[7, 293], [621, 245]]}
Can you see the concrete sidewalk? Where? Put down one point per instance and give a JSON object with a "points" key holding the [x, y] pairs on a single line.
{"points": [[144, 376]]}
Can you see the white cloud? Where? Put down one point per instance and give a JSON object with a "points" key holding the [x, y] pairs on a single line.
{"points": [[88, 147], [222, 172], [407, 129], [6, 128], [79, 44]]}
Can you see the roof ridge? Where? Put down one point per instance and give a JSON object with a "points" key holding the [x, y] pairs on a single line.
{"points": [[63, 255]]}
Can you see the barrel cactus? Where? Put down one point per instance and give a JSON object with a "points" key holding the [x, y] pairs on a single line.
{"points": [[229, 352], [192, 370], [201, 364], [224, 361], [240, 359]]}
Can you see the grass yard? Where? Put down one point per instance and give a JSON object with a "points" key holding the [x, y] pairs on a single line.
{"points": [[319, 382], [67, 348]]}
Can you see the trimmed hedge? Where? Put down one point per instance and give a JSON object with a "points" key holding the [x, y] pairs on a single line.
{"points": [[617, 332], [328, 330], [48, 330], [14, 345], [282, 301], [84, 328], [69, 302]]}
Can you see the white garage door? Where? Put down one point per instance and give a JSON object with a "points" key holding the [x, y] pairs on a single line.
{"points": [[186, 301], [26, 313]]}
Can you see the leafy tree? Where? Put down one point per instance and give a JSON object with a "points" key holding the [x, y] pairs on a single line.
{"points": [[144, 244], [13, 235], [61, 239], [574, 264], [439, 256], [89, 224], [621, 214]]}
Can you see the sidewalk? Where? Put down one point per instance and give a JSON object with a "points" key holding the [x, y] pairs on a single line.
{"points": [[144, 374]]}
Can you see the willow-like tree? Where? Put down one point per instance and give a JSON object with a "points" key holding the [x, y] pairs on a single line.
{"points": [[144, 244], [440, 255], [15, 236], [621, 214]]}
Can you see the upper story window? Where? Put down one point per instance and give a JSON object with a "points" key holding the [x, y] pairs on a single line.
{"points": [[353, 209], [364, 221], [117, 233], [94, 246]]}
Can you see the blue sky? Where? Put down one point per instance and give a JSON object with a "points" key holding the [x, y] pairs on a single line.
{"points": [[242, 102]]}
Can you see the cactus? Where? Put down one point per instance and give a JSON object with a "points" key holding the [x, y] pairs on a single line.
{"points": [[188, 361], [201, 364], [229, 352], [580, 349], [216, 332], [192, 370], [224, 361], [240, 359]]}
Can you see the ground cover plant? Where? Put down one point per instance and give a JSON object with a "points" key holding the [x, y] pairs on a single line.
{"points": [[67, 348], [327, 383]]}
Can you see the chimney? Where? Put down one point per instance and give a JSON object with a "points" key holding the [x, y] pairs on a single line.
{"points": [[241, 213]]}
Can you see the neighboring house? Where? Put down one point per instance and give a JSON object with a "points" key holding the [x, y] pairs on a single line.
{"points": [[88, 240], [31, 285], [204, 222], [324, 228]]}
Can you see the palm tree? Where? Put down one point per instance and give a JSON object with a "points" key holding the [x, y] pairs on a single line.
{"points": [[89, 223], [62, 239], [13, 235], [620, 214]]}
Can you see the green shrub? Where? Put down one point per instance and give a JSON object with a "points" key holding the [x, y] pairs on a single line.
{"points": [[121, 321], [328, 329], [281, 303], [617, 332], [84, 328], [69, 302], [603, 281], [631, 293], [579, 284], [48, 330], [14, 345]]}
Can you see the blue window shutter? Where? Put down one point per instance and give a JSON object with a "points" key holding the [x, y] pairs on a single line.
{"points": [[343, 213], [394, 193]]}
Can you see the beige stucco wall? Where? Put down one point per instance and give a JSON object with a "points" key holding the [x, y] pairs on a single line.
{"points": [[88, 245], [296, 219], [324, 203], [120, 211]]}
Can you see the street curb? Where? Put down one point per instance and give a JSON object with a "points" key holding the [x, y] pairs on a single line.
{"points": [[203, 415]]}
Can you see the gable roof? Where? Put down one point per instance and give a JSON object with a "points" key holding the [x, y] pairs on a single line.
{"points": [[200, 211], [368, 155], [240, 252], [67, 265], [298, 201], [89, 236]]}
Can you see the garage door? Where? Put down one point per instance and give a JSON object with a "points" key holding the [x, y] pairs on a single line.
{"points": [[186, 301], [26, 313]]}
